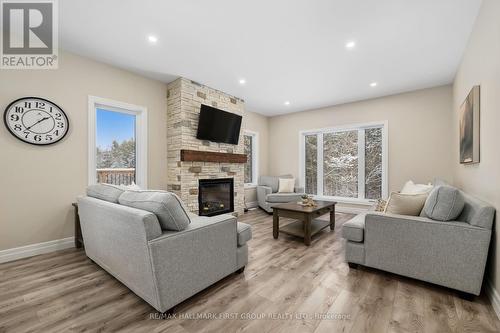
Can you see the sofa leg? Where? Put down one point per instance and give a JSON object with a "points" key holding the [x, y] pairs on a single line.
{"points": [[466, 296], [241, 270], [352, 265]]}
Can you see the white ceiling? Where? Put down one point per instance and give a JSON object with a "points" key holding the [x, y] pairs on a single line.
{"points": [[287, 50]]}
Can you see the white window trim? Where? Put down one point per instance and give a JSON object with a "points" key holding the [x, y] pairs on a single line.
{"points": [[255, 157], [349, 127], [141, 134]]}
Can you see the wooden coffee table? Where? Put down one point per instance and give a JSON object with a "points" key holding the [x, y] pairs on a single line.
{"points": [[308, 223]]}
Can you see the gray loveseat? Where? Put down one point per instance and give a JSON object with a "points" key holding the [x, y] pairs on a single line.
{"points": [[268, 196], [162, 267], [451, 254]]}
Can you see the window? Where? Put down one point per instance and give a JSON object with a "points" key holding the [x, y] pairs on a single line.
{"points": [[117, 143], [251, 150], [340, 164], [346, 163], [311, 163]]}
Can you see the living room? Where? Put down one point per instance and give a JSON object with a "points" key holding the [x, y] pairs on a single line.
{"points": [[311, 166]]}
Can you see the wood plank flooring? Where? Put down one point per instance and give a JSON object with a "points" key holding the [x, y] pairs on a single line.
{"points": [[286, 286]]}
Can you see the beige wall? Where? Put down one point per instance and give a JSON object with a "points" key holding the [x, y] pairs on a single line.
{"points": [[419, 133], [39, 183], [481, 66], [258, 123]]}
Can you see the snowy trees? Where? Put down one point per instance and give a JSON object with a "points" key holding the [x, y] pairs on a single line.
{"points": [[373, 163], [119, 155], [341, 163], [249, 151], [311, 161]]}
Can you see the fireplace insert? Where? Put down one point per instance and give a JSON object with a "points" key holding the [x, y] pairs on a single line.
{"points": [[215, 196]]}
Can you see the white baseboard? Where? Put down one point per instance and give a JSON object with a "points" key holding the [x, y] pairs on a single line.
{"points": [[350, 210], [35, 249], [493, 296], [252, 204]]}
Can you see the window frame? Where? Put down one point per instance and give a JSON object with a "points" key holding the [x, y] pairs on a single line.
{"points": [[255, 157], [141, 136], [360, 127]]}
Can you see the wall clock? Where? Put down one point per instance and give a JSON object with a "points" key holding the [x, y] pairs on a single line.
{"points": [[36, 121]]}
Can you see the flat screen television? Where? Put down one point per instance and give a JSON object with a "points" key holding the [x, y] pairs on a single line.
{"points": [[218, 126]]}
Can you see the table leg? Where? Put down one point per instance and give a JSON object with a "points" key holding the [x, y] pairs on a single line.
{"points": [[78, 229], [307, 230], [276, 224], [332, 219]]}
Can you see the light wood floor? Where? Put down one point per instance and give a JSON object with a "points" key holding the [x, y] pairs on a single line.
{"points": [[64, 291]]}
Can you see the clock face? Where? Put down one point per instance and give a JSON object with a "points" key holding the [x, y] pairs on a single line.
{"points": [[36, 120]]}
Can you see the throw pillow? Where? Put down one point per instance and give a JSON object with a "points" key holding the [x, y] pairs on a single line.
{"points": [[445, 203], [286, 185], [106, 192], [167, 206], [411, 188], [405, 204]]}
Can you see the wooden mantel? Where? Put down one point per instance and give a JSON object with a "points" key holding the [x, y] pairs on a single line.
{"points": [[208, 156]]}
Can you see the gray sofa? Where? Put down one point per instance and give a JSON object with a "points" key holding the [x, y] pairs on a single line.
{"points": [[268, 196], [451, 254], [162, 267]]}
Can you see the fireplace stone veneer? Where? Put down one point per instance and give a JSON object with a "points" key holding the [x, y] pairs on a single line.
{"points": [[184, 98]]}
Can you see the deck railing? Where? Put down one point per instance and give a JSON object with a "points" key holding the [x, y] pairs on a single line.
{"points": [[116, 176]]}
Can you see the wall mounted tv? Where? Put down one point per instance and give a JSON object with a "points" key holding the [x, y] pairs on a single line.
{"points": [[218, 126]]}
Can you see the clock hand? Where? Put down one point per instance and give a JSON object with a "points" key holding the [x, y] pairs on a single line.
{"points": [[45, 118]]}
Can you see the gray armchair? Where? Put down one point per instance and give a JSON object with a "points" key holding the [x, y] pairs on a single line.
{"points": [[268, 196]]}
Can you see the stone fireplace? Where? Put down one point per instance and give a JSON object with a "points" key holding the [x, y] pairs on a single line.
{"points": [[184, 98]]}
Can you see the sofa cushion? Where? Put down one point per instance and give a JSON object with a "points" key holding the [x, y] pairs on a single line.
{"points": [[405, 204], [272, 181], [167, 206], [244, 233], [283, 197], [445, 203], [106, 192], [354, 229]]}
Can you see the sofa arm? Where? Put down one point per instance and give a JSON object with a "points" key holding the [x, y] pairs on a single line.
{"points": [[451, 254], [188, 261], [262, 192], [116, 237]]}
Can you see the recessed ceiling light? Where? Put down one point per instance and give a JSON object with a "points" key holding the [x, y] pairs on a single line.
{"points": [[287, 103], [242, 81], [152, 39], [373, 84], [350, 45]]}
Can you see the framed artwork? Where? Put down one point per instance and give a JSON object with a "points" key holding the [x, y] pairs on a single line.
{"points": [[469, 128]]}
